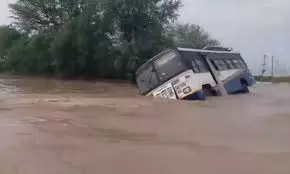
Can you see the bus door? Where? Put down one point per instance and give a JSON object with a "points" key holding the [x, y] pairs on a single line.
{"points": [[217, 76]]}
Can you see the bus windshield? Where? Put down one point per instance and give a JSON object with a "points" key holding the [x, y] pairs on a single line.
{"points": [[160, 70], [169, 65], [147, 79]]}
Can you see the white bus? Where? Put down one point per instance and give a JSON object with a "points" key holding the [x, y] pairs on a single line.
{"points": [[193, 74]]}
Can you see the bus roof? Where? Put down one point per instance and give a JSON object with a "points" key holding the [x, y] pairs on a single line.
{"points": [[206, 51]]}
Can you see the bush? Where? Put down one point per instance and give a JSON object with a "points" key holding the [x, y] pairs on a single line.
{"points": [[30, 56]]}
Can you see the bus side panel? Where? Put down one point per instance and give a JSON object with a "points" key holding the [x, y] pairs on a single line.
{"points": [[249, 78], [204, 79], [234, 83], [233, 86], [224, 75]]}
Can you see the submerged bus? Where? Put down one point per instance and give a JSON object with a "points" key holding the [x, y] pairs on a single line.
{"points": [[193, 74]]}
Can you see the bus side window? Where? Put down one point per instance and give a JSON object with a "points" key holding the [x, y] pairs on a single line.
{"points": [[220, 65], [201, 65], [230, 64], [215, 64], [242, 63], [223, 65], [236, 63], [194, 66]]}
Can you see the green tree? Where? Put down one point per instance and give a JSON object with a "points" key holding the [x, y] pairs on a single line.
{"points": [[92, 38], [190, 36], [44, 16], [16, 59], [139, 29], [30, 56], [8, 36], [82, 49], [141, 23]]}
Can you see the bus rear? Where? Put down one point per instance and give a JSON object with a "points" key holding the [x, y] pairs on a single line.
{"points": [[232, 71]]}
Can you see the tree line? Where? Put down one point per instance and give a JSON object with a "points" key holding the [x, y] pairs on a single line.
{"points": [[92, 38]]}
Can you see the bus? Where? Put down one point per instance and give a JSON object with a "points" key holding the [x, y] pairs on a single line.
{"points": [[194, 74]]}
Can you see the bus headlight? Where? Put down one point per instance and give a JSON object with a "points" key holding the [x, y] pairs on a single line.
{"points": [[186, 90]]}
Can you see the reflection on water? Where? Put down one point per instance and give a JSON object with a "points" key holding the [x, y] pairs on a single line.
{"points": [[7, 89]]}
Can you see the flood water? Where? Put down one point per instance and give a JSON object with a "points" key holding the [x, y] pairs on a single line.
{"points": [[76, 127]]}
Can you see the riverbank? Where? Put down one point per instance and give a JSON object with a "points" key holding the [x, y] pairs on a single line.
{"points": [[273, 79]]}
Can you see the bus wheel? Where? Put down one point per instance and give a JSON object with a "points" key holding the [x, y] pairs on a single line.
{"points": [[201, 95], [245, 88], [208, 90], [197, 96]]}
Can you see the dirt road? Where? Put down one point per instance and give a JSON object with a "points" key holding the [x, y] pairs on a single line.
{"points": [[54, 127]]}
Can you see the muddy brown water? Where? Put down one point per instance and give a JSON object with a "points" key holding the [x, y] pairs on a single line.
{"points": [[75, 127]]}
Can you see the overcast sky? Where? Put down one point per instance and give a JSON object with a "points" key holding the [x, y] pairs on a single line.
{"points": [[253, 27], [4, 12]]}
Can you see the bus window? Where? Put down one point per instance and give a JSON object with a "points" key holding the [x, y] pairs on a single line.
{"points": [[195, 60], [198, 66], [201, 65], [223, 65], [214, 63], [194, 66], [147, 79], [220, 65], [230, 64], [242, 63], [237, 63], [169, 65]]}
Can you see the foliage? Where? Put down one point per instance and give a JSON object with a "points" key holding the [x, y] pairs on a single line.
{"points": [[139, 25], [43, 16], [89, 38], [30, 56], [141, 22], [190, 36], [8, 36], [82, 49]]}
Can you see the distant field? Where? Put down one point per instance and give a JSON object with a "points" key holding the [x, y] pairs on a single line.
{"points": [[272, 79]]}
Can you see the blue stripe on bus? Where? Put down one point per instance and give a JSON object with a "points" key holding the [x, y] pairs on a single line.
{"points": [[233, 84]]}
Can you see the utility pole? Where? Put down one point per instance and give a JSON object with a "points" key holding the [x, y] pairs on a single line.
{"points": [[264, 66], [272, 66]]}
